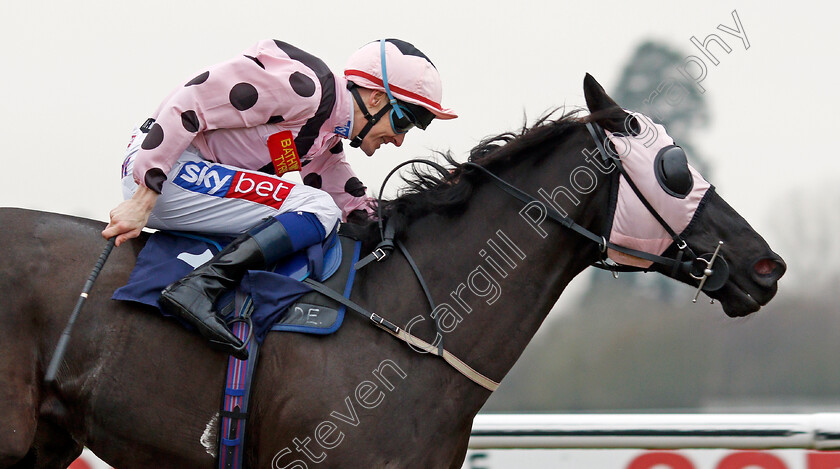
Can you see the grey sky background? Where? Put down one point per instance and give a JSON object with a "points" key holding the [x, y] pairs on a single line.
{"points": [[78, 76]]}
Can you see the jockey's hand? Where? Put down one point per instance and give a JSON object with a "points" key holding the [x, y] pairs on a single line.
{"points": [[129, 217]]}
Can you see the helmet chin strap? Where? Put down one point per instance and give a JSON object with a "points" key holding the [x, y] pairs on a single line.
{"points": [[371, 119]]}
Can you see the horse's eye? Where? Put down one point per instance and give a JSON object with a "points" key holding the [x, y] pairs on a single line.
{"points": [[671, 169]]}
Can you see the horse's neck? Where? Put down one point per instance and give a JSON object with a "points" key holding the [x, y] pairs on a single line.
{"points": [[495, 272]]}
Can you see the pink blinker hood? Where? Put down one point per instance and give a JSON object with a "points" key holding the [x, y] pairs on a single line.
{"points": [[633, 226]]}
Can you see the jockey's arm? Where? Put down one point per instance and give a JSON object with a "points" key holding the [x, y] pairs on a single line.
{"points": [[129, 217]]}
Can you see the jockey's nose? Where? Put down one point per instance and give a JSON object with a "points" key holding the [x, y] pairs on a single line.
{"points": [[398, 139]]}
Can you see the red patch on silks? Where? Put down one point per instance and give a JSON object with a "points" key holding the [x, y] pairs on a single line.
{"points": [[263, 189], [284, 154]]}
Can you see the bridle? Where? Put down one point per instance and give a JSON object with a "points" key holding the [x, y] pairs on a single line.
{"points": [[710, 269]]}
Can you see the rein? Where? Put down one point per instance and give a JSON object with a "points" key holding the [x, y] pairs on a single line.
{"points": [[713, 272]]}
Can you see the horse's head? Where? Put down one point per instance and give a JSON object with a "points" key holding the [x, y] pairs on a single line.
{"points": [[743, 275]]}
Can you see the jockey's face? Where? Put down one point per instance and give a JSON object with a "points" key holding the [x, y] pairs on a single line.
{"points": [[382, 132]]}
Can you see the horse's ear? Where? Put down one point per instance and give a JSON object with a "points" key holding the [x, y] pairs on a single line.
{"points": [[609, 114], [596, 98]]}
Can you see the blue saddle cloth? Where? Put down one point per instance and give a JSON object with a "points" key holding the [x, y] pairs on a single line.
{"points": [[168, 257]]}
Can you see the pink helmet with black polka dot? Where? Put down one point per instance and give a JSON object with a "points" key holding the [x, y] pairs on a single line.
{"points": [[409, 75]]}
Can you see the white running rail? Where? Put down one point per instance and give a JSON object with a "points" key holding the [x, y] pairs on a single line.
{"points": [[672, 431]]}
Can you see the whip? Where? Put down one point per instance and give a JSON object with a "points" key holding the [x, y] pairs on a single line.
{"points": [[58, 354]]}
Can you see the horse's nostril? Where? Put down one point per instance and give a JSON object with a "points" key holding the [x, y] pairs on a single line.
{"points": [[769, 268], [764, 267]]}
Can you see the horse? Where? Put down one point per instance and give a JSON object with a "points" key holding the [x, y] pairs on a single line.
{"points": [[142, 392]]}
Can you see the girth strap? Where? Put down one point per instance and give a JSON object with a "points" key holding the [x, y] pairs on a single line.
{"points": [[233, 415], [406, 337]]}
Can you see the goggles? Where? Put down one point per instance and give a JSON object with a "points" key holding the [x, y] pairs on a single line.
{"points": [[402, 120]]}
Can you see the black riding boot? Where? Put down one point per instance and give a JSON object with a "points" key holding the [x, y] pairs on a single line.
{"points": [[193, 297]]}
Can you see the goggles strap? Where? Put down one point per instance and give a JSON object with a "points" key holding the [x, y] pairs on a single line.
{"points": [[391, 98]]}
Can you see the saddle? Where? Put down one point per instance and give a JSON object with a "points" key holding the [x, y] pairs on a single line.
{"points": [[278, 300]]}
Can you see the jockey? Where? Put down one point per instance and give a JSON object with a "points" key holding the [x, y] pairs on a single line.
{"points": [[210, 159]]}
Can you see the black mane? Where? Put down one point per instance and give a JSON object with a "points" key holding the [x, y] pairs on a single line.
{"points": [[429, 192]]}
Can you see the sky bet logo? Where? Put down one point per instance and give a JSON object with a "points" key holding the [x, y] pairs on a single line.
{"points": [[219, 181]]}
